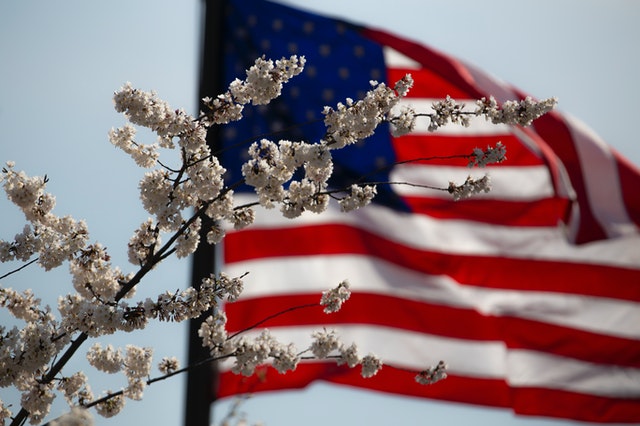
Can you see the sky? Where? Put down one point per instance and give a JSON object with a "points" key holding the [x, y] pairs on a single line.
{"points": [[60, 63]]}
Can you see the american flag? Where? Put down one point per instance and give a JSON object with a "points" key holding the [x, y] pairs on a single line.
{"points": [[529, 293]]}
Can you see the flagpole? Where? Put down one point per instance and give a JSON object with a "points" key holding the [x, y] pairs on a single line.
{"points": [[200, 381]]}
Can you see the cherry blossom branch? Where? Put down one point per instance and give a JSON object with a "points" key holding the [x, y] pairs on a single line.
{"points": [[153, 380], [98, 308]]}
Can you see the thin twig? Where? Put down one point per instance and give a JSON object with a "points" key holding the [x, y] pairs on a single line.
{"points": [[277, 314], [20, 268]]}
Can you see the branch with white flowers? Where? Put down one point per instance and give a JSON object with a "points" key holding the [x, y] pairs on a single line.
{"points": [[180, 199]]}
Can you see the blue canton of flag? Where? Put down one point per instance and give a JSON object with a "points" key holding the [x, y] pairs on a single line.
{"points": [[340, 64]]}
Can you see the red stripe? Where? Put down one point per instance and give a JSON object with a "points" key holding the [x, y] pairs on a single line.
{"points": [[547, 212], [481, 271], [555, 133], [437, 320], [429, 147], [587, 408], [629, 184], [462, 389], [489, 392]]}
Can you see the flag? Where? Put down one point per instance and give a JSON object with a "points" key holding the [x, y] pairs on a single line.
{"points": [[529, 293]]}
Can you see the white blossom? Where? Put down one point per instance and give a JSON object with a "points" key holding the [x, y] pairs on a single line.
{"points": [[433, 374], [168, 365], [491, 155], [513, 112], [333, 299], [78, 416], [324, 343], [37, 401], [215, 234], [403, 121], [242, 218], [5, 413], [265, 79], [371, 364], [354, 121], [231, 287], [358, 197], [135, 389], [470, 187], [111, 406], [137, 362], [263, 83], [144, 155], [93, 275], [108, 359], [144, 242], [53, 238], [285, 357], [187, 242], [403, 85], [71, 386], [349, 355], [447, 111], [212, 331], [251, 353], [23, 306]]}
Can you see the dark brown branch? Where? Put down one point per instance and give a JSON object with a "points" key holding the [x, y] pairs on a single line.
{"points": [[31, 262]]}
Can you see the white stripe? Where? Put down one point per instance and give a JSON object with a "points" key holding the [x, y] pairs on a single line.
{"points": [[467, 358], [315, 274], [534, 369], [411, 350], [602, 182], [463, 237], [507, 183], [395, 59], [478, 126]]}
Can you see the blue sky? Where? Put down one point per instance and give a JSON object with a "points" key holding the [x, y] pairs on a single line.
{"points": [[60, 63]]}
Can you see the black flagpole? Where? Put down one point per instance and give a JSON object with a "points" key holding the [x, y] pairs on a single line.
{"points": [[200, 381]]}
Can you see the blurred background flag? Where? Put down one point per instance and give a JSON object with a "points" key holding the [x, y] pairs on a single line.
{"points": [[530, 293]]}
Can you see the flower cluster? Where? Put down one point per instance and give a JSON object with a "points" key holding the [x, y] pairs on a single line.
{"points": [[168, 365], [135, 364], [355, 121], [137, 367], [491, 155], [357, 197], [447, 111], [74, 386], [326, 343], [76, 417], [263, 83], [111, 406], [191, 302], [510, 112], [144, 155], [433, 374], [55, 239], [93, 276], [470, 187], [249, 353], [333, 299], [513, 112]]}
